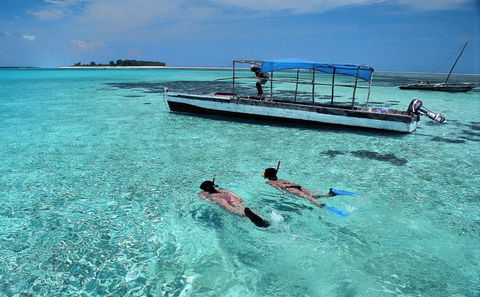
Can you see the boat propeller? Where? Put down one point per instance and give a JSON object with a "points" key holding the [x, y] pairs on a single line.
{"points": [[416, 107]]}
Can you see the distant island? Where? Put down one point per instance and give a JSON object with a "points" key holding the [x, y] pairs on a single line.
{"points": [[121, 63]]}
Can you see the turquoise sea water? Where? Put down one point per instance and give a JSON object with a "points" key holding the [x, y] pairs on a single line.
{"points": [[99, 183]]}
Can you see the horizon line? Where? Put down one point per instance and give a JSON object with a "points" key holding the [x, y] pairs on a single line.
{"points": [[197, 67]]}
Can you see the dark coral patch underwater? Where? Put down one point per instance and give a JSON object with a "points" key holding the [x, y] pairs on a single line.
{"points": [[447, 140], [364, 154], [380, 157]]}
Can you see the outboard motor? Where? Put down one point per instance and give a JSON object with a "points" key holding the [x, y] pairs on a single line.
{"points": [[416, 107]]}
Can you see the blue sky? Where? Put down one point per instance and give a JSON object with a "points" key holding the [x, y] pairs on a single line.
{"points": [[389, 35]]}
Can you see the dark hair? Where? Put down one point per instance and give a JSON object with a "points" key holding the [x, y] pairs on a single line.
{"points": [[270, 173], [208, 186]]}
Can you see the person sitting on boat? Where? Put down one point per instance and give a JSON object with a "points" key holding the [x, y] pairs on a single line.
{"points": [[230, 202], [293, 188], [262, 79]]}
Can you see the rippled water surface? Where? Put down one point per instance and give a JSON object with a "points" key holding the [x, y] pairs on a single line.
{"points": [[99, 183]]}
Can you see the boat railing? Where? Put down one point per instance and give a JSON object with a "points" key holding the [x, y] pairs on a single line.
{"points": [[294, 81]]}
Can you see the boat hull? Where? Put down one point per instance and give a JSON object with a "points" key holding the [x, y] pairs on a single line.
{"points": [[441, 87], [291, 112]]}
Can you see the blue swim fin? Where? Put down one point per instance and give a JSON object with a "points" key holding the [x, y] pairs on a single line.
{"points": [[336, 211], [341, 192]]}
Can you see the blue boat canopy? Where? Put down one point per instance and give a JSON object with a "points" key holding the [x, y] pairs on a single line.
{"points": [[363, 71]]}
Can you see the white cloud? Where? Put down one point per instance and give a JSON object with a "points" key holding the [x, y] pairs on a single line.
{"points": [[434, 4], [117, 19], [120, 15], [55, 9], [86, 46], [304, 6], [62, 2], [313, 6], [48, 14], [29, 37], [127, 13]]}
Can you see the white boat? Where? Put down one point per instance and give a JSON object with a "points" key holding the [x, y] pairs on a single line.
{"points": [[294, 107]]}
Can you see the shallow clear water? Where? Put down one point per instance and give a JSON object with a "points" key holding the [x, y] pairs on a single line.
{"points": [[99, 183]]}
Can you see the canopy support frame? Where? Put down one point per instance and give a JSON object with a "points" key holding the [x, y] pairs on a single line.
{"points": [[369, 89], [355, 88], [333, 85], [313, 86], [233, 82], [271, 85], [296, 85]]}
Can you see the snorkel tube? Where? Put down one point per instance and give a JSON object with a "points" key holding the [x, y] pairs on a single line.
{"points": [[269, 172]]}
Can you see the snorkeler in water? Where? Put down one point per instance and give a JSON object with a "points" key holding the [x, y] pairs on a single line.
{"points": [[292, 188], [230, 202]]}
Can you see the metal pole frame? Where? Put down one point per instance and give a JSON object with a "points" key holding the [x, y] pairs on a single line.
{"points": [[355, 87], [233, 81], [369, 89], [313, 87], [271, 85], [296, 85], [333, 84]]}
